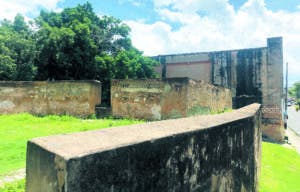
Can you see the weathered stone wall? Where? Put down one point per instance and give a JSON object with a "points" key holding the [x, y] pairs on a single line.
{"points": [[136, 98], [252, 75], [203, 153], [156, 99], [204, 98], [42, 97], [273, 91], [243, 71], [174, 99]]}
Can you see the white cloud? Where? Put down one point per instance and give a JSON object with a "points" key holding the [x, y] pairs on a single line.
{"points": [[9, 8], [208, 25], [153, 38]]}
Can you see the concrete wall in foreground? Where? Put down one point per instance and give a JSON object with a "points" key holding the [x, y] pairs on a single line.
{"points": [[42, 97], [156, 99], [202, 153]]}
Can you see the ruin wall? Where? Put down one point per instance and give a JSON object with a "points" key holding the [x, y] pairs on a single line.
{"points": [[156, 99], [77, 98], [138, 99], [204, 98]]}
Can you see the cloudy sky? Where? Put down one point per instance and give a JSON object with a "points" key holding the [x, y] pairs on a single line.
{"points": [[179, 26]]}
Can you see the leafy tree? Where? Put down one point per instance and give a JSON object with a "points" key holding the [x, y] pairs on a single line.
{"points": [[7, 68], [17, 49], [131, 64], [111, 35], [77, 44], [66, 49], [294, 91], [19, 25], [68, 42]]}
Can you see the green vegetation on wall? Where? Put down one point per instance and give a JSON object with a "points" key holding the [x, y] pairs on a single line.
{"points": [[173, 114], [198, 110]]}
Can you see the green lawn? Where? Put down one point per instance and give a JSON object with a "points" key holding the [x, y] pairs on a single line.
{"points": [[280, 166], [17, 186], [15, 130], [280, 169]]}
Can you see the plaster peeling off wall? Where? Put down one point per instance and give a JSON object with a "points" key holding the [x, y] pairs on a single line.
{"points": [[7, 105]]}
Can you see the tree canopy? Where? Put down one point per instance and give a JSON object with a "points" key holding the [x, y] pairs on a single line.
{"points": [[74, 44], [294, 91], [17, 50]]}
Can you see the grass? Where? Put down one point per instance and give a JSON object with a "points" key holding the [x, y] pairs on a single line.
{"points": [[280, 166], [17, 186], [280, 169], [15, 130]]}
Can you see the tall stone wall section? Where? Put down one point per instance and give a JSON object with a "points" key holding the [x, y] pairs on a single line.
{"points": [[202, 153], [243, 71], [156, 99], [273, 92], [252, 75], [77, 98]]}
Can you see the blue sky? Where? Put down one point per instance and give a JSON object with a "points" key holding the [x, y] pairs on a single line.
{"points": [[275, 5], [121, 9], [177, 26], [145, 9]]}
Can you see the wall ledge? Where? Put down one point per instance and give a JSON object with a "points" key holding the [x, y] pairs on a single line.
{"points": [[80, 144]]}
